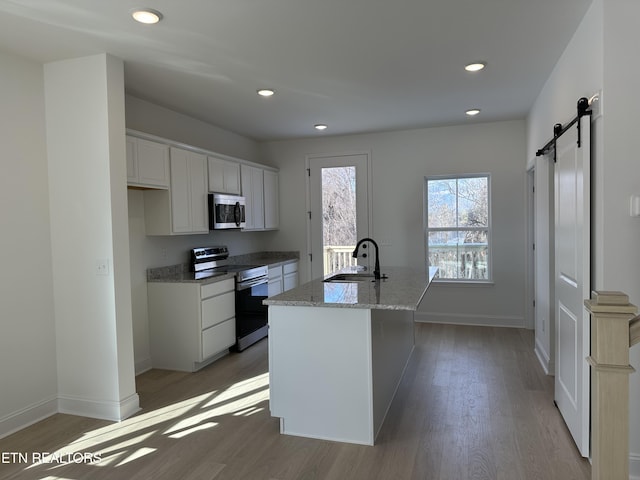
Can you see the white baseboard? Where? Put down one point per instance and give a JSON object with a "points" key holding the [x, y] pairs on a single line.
{"points": [[143, 365], [28, 416], [634, 466], [115, 411], [543, 358], [104, 410], [470, 319]]}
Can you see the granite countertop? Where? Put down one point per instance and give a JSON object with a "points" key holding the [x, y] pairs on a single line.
{"points": [[402, 290], [181, 273]]}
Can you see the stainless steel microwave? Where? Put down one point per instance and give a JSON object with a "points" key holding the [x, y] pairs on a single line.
{"points": [[226, 211]]}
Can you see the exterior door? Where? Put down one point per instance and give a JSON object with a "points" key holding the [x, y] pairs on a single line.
{"points": [[572, 280], [338, 195]]}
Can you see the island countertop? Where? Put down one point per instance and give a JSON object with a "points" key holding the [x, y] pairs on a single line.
{"points": [[402, 290]]}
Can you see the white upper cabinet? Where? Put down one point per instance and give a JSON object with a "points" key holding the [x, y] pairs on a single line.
{"points": [[177, 179], [224, 176], [271, 200], [188, 192], [253, 192], [147, 163], [260, 189], [183, 209]]}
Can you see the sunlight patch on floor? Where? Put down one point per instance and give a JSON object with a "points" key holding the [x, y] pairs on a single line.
{"points": [[240, 396], [125, 442]]}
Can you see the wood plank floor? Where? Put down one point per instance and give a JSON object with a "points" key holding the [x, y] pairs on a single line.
{"points": [[474, 404]]}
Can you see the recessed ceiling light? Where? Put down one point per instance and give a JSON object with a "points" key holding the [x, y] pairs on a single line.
{"points": [[266, 92], [146, 15], [320, 126], [473, 112], [475, 67]]}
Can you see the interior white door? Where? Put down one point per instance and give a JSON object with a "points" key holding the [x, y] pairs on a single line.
{"points": [[572, 280], [338, 195]]}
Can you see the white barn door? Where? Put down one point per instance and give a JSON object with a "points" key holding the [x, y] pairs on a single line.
{"points": [[572, 280]]}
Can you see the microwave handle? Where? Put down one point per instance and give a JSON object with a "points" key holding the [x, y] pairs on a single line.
{"points": [[237, 214]]}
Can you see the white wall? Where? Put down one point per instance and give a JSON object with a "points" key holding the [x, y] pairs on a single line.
{"points": [[399, 162], [27, 352], [84, 101], [147, 117], [577, 74], [157, 251], [598, 59], [619, 234]]}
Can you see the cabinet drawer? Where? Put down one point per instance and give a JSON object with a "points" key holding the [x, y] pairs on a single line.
{"points": [[218, 338], [275, 287], [275, 272], [218, 309], [290, 267], [216, 288]]}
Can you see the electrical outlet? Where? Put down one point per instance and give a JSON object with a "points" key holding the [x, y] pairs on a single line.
{"points": [[102, 266]]}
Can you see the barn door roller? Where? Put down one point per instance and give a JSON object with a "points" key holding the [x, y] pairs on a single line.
{"points": [[559, 130]]}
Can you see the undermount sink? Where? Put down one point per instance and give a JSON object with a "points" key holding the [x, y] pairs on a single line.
{"points": [[350, 277]]}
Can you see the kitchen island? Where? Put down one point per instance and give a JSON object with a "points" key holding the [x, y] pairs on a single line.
{"points": [[337, 353]]}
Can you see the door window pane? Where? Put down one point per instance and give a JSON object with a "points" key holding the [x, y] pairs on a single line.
{"points": [[339, 217]]}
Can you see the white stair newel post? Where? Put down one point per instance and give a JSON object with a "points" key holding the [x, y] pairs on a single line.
{"points": [[610, 370]]}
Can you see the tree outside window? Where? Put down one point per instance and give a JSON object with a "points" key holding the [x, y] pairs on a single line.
{"points": [[457, 226]]}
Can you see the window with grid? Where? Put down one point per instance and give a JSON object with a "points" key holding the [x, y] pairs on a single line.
{"points": [[458, 227]]}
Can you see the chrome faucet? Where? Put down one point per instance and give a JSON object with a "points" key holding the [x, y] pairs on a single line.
{"points": [[376, 269]]}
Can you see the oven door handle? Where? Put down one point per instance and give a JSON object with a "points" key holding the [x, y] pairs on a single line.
{"points": [[252, 283]]}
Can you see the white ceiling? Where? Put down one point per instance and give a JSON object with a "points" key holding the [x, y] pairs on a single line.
{"points": [[356, 65]]}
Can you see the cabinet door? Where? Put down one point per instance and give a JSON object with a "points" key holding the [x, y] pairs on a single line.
{"points": [[290, 281], [188, 192], [247, 192], [274, 287], [290, 277], [180, 194], [147, 163], [132, 161], [275, 281], [198, 193], [224, 176], [253, 191], [257, 200], [153, 163], [271, 200], [231, 175], [216, 175]]}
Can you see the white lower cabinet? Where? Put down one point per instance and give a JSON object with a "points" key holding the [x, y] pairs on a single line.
{"points": [[282, 278], [190, 324], [276, 285], [290, 275]]}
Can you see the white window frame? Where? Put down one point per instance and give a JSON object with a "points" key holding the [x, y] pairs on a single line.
{"points": [[488, 228]]}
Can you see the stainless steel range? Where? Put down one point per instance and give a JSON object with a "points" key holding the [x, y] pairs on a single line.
{"points": [[252, 283]]}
